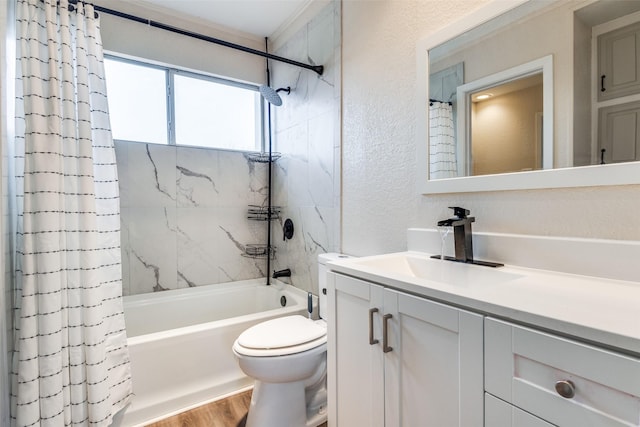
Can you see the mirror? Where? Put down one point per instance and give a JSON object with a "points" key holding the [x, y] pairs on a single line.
{"points": [[566, 133]]}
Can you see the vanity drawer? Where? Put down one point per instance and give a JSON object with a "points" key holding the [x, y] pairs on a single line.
{"points": [[498, 413], [523, 367]]}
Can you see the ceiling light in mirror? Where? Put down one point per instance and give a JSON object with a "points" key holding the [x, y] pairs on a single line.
{"points": [[482, 96]]}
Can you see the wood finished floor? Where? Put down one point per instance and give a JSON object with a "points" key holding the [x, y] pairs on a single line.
{"points": [[229, 412]]}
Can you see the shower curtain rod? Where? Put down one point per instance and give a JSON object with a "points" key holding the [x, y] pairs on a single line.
{"points": [[442, 102], [317, 68]]}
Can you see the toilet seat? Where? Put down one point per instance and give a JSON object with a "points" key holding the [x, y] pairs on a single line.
{"points": [[281, 336]]}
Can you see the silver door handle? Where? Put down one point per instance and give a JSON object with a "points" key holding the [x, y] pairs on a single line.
{"points": [[372, 341], [385, 333]]}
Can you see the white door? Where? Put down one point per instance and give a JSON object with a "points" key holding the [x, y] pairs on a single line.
{"points": [[434, 370], [355, 358]]}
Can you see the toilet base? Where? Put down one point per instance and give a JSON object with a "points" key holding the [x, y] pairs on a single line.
{"points": [[281, 404], [277, 405]]}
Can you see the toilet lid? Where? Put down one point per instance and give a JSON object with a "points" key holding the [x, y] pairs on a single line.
{"points": [[282, 332]]}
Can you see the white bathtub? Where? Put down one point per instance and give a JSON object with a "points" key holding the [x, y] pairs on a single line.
{"points": [[180, 342]]}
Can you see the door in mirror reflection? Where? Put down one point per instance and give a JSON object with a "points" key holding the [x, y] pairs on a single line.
{"points": [[506, 127]]}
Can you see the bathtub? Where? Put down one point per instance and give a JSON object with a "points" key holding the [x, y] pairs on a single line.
{"points": [[180, 343]]}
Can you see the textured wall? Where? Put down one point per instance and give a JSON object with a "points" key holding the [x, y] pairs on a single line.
{"points": [[380, 200]]}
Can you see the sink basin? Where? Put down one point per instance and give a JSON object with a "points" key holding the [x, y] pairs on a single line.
{"points": [[423, 267]]}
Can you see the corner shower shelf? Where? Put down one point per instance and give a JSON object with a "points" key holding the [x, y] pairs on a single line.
{"points": [[258, 251], [263, 157], [261, 213]]}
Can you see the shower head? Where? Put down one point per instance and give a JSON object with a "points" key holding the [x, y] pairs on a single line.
{"points": [[271, 95]]}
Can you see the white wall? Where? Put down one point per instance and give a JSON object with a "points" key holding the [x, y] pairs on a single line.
{"points": [[379, 197]]}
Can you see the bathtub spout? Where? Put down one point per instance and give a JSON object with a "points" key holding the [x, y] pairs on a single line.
{"points": [[282, 273]]}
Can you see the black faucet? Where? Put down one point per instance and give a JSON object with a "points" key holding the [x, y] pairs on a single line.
{"points": [[463, 241], [462, 236], [282, 273]]}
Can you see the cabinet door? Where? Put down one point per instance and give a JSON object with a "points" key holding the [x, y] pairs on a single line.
{"points": [[355, 367], [499, 413], [620, 133], [433, 373], [619, 62]]}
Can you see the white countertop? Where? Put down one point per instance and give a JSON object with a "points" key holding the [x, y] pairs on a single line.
{"points": [[591, 309]]}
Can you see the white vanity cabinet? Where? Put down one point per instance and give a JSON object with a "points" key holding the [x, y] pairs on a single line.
{"points": [[561, 381], [531, 344], [400, 360]]}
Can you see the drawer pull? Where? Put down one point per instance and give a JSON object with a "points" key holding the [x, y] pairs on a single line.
{"points": [[566, 389], [372, 341], [385, 333]]}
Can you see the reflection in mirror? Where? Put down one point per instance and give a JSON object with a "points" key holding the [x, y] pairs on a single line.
{"points": [[506, 127], [498, 124], [595, 86], [500, 120]]}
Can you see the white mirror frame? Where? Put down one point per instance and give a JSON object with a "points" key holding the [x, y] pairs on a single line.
{"points": [[583, 176]]}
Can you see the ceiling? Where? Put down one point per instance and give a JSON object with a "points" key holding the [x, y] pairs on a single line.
{"points": [[258, 17]]}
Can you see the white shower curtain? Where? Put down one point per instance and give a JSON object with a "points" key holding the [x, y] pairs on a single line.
{"points": [[71, 362], [442, 144]]}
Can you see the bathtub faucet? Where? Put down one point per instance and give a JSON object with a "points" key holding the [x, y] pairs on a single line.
{"points": [[281, 273]]}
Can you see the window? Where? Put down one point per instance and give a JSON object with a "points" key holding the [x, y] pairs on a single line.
{"points": [[213, 114], [163, 105], [137, 102]]}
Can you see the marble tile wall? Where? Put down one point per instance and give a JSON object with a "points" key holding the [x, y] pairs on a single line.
{"points": [[184, 210], [307, 133], [184, 216]]}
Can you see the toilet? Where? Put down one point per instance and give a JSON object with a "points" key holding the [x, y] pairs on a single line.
{"points": [[287, 358]]}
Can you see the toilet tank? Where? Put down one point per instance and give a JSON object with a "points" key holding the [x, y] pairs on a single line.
{"points": [[322, 279]]}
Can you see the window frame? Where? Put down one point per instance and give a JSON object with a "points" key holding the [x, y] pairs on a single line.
{"points": [[170, 73]]}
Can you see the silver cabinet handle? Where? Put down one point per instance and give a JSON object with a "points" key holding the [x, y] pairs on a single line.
{"points": [[566, 389], [385, 333], [372, 341]]}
